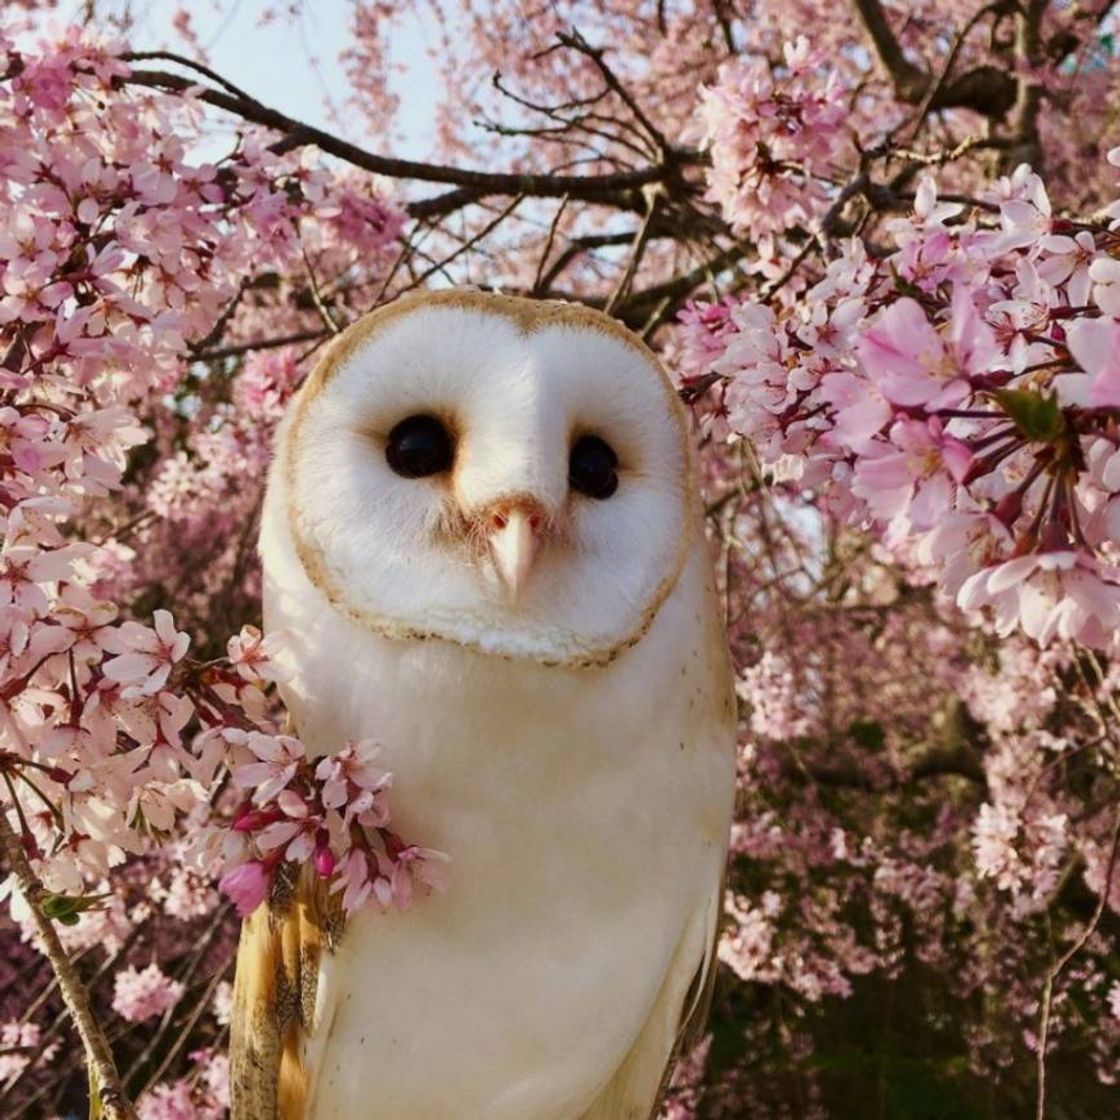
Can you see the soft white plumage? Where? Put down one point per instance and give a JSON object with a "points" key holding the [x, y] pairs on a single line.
{"points": [[548, 674]]}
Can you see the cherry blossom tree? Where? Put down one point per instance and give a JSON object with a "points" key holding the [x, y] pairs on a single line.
{"points": [[878, 247]]}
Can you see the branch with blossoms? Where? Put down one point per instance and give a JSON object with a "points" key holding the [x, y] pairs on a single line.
{"points": [[479, 183], [980, 431], [105, 1081], [954, 397], [986, 89], [72, 816], [331, 812]]}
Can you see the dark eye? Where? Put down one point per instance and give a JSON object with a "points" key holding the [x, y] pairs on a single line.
{"points": [[419, 446], [592, 467]]}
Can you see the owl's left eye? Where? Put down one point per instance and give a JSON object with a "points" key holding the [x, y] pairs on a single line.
{"points": [[420, 446]]}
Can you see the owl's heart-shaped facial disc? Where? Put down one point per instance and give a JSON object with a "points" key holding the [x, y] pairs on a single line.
{"points": [[500, 473]]}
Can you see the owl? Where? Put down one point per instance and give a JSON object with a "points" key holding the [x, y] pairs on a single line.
{"points": [[483, 541]]}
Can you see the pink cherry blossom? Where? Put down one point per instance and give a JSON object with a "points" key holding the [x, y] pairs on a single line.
{"points": [[1095, 343], [769, 135], [252, 655], [18, 1042], [280, 757], [1050, 595], [145, 657], [246, 885], [144, 993], [911, 363]]}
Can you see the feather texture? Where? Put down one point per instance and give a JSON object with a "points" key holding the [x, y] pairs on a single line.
{"points": [[276, 1021]]}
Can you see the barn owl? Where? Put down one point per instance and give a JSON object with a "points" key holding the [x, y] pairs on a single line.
{"points": [[482, 537]]}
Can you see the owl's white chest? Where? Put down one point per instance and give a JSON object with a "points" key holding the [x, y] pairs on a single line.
{"points": [[585, 813]]}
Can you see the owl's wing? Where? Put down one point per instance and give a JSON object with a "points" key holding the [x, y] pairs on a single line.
{"points": [[677, 1019], [277, 1028], [680, 1013]]}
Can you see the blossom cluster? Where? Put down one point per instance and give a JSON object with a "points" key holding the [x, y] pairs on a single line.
{"points": [[140, 994], [771, 131], [331, 812], [769, 688], [959, 395], [999, 840], [18, 1041], [117, 251], [203, 1096]]}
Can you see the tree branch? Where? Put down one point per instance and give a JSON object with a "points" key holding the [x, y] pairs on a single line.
{"points": [[986, 89], [577, 42], [909, 81], [104, 1078], [1064, 959], [1028, 91], [297, 133], [235, 350], [668, 296]]}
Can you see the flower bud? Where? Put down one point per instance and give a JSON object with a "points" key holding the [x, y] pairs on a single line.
{"points": [[323, 858]]}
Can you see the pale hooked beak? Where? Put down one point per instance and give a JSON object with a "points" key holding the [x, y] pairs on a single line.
{"points": [[515, 539]]}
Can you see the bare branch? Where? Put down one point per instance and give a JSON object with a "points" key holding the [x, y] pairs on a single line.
{"points": [[576, 248], [667, 297], [641, 240], [723, 18], [1028, 91], [909, 81], [190, 64], [237, 349], [578, 43], [538, 288], [297, 133], [490, 226], [987, 89], [936, 87]]}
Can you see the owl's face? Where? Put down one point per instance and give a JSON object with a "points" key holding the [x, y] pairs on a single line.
{"points": [[505, 474]]}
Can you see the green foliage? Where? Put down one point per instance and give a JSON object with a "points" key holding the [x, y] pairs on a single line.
{"points": [[1036, 417], [67, 909]]}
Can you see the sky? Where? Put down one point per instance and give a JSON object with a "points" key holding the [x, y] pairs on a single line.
{"points": [[293, 65]]}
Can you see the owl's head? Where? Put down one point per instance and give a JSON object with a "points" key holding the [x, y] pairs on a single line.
{"points": [[505, 474]]}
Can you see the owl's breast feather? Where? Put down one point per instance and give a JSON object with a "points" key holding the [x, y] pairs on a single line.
{"points": [[585, 813]]}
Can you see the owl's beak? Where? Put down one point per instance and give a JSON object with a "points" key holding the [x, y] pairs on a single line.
{"points": [[515, 537]]}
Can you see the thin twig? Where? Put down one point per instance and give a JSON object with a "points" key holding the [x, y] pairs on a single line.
{"points": [[554, 225], [1066, 957], [190, 64], [237, 349], [577, 42], [942, 78], [467, 245], [316, 295], [641, 240]]}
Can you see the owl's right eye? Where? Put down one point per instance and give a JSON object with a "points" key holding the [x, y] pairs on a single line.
{"points": [[420, 446]]}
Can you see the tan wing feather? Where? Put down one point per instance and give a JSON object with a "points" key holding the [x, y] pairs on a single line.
{"points": [[274, 1004]]}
